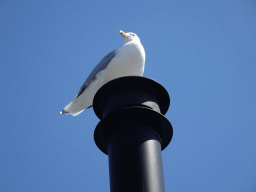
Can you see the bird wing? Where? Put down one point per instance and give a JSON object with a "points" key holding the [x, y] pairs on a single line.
{"points": [[101, 66]]}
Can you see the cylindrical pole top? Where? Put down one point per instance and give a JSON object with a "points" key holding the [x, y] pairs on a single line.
{"points": [[138, 98], [130, 91]]}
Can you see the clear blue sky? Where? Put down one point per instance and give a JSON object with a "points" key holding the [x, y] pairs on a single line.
{"points": [[203, 52]]}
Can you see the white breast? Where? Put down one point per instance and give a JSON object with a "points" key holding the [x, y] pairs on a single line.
{"points": [[129, 60]]}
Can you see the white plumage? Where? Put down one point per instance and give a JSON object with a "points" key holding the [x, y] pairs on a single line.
{"points": [[126, 61]]}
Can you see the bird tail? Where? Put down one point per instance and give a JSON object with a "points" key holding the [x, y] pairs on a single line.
{"points": [[64, 112], [73, 108]]}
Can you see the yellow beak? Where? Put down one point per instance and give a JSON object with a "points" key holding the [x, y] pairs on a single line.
{"points": [[123, 34]]}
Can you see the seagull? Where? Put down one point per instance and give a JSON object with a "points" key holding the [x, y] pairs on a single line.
{"points": [[128, 60]]}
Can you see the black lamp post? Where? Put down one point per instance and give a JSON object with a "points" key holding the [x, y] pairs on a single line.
{"points": [[132, 132]]}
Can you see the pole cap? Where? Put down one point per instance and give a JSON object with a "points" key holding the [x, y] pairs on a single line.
{"points": [[130, 91], [129, 102]]}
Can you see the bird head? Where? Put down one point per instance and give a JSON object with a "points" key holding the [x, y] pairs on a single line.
{"points": [[129, 37]]}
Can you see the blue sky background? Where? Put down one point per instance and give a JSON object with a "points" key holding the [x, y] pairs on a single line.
{"points": [[202, 52]]}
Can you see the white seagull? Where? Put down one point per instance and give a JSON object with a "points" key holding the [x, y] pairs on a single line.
{"points": [[128, 60]]}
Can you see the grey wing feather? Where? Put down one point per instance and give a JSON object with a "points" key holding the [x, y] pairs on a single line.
{"points": [[101, 66]]}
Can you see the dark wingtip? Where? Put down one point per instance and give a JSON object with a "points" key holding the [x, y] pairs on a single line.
{"points": [[64, 112]]}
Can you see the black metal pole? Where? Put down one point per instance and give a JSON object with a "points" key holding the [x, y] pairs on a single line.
{"points": [[133, 132], [135, 161]]}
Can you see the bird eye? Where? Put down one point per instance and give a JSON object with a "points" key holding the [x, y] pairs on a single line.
{"points": [[132, 35]]}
